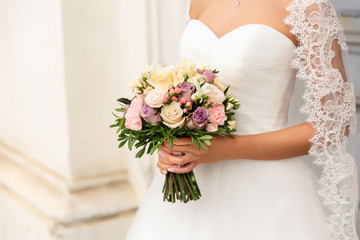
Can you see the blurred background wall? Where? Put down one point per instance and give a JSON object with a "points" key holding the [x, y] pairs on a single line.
{"points": [[63, 64]]}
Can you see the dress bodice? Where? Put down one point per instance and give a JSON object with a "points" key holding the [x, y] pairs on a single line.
{"points": [[255, 60]]}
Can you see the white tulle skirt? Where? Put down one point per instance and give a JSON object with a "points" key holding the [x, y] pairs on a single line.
{"points": [[241, 199]]}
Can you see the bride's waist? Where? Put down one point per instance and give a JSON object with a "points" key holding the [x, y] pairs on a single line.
{"points": [[255, 122]]}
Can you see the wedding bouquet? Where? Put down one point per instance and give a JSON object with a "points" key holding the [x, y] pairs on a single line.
{"points": [[176, 101]]}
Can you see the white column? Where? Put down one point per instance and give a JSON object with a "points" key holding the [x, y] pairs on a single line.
{"points": [[63, 64], [62, 69]]}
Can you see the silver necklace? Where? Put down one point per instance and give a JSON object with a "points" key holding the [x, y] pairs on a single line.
{"points": [[237, 3]]}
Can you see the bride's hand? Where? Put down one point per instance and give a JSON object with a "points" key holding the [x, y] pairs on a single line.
{"points": [[185, 156]]}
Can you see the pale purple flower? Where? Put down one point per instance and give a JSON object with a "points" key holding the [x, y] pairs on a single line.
{"points": [[198, 119], [148, 114], [209, 76]]}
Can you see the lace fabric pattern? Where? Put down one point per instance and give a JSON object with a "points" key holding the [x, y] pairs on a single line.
{"points": [[329, 108]]}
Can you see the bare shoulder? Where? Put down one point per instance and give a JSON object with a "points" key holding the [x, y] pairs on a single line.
{"points": [[197, 6]]}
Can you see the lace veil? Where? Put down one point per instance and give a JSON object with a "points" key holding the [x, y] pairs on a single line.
{"points": [[329, 107]]}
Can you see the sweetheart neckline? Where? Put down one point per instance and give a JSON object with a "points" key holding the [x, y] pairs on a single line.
{"points": [[240, 27]]}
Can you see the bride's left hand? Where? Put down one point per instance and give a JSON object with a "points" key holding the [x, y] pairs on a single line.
{"points": [[170, 159]]}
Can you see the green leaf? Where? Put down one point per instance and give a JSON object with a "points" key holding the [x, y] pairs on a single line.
{"points": [[203, 146], [149, 148], [124, 100], [197, 143], [153, 149], [122, 144], [120, 109], [139, 144], [140, 153], [118, 130], [115, 115], [207, 142], [131, 142], [206, 137], [170, 140], [122, 123], [226, 89], [114, 125]]}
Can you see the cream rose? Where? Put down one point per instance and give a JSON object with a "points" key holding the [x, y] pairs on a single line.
{"points": [[215, 95], [172, 115], [163, 78], [154, 97], [188, 68]]}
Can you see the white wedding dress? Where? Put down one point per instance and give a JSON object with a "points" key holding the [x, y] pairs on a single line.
{"points": [[242, 199]]}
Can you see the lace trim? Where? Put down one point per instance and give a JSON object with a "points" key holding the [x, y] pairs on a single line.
{"points": [[329, 107]]}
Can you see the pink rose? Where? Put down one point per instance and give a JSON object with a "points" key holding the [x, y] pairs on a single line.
{"points": [[216, 117], [133, 119]]}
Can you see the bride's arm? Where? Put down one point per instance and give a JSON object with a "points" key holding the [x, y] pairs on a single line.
{"points": [[275, 145]]}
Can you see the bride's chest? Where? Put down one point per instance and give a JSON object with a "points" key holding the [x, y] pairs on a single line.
{"points": [[252, 45]]}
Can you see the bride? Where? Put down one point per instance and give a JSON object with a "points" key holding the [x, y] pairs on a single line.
{"points": [[270, 181]]}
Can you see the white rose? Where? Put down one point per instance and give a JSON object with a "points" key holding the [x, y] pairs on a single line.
{"points": [[215, 95], [172, 115], [188, 68], [155, 97], [232, 124]]}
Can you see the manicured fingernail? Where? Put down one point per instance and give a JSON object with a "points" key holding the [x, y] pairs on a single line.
{"points": [[176, 166], [161, 153], [171, 170], [178, 154], [164, 172]]}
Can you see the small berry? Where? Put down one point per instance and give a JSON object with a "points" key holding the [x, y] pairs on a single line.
{"points": [[165, 99], [185, 110], [170, 86], [172, 91], [174, 99], [183, 100], [177, 90], [188, 104]]}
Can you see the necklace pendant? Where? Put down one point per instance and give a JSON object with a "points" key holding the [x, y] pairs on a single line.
{"points": [[237, 3]]}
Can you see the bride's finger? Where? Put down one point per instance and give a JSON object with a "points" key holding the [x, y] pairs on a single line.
{"points": [[185, 169], [162, 167], [166, 158]]}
